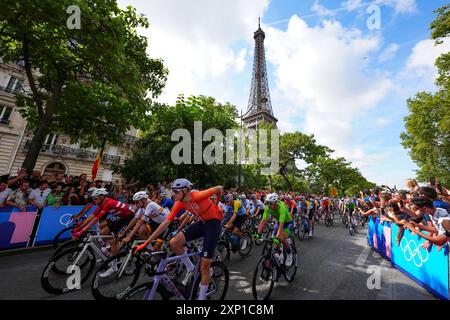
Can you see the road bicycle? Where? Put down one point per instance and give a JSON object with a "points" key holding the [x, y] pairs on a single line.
{"points": [[352, 226], [162, 287], [328, 219], [304, 227], [62, 266], [269, 269]]}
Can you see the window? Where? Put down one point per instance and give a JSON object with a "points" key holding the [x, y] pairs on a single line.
{"points": [[14, 84], [54, 168], [112, 151], [107, 175], [5, 113], [51, 138]]}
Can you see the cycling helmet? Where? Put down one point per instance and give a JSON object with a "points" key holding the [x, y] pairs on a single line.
{"points": [[235, 195], [100, 192], [252, 197], [140, 195], [181, 184], [272, 197], [227, 198]]}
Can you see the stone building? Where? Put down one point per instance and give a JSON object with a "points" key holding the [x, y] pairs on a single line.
{"points": [[57, 155]]}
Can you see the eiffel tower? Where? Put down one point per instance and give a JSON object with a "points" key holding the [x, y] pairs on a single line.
{"points": [[259, 104]]}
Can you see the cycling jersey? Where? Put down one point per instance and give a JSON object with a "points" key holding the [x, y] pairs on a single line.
{"points": [[238, 208], [153, 212], [254, 206], [280, 215], [200, 205], [112, 207]]}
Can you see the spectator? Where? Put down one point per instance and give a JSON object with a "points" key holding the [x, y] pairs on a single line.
{"points": [[39, 195], [412, 185], [35, 179], [71, 198], [19, 197], [55, 197], [14, 182], [438, 216], [4, 193], [431, 194]]}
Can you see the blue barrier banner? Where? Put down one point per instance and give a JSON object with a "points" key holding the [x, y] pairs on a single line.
{"points": [[379, 237], [428, 267], [53, 220], [15, 227]]}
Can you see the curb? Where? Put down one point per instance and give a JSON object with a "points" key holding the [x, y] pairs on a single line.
{"points": [[24, 250]]}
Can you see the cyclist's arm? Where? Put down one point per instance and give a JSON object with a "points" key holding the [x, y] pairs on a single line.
{"points": [[199, 195], [82, 212], [137, 223], [264, 220], [257, 212], [162, 227]]}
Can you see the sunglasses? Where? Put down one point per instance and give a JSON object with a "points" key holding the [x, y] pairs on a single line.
{"points": [[271, 203], [176, 191]]}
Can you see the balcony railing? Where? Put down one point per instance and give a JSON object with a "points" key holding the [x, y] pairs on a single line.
{"points": [[74, 153]]}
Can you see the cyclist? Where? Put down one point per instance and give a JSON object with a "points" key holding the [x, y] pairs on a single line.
{"points": [[112, 216], [284, 226], [149, 212], [208, 226], [257, 205], [87, 207], [236, 221]]}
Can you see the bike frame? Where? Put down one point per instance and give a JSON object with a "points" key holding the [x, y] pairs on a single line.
{"points": [[161, 277], [96, 249], [129, 255]]}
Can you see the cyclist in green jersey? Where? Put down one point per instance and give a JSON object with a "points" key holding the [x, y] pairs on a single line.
{"points": [[284, 226]]}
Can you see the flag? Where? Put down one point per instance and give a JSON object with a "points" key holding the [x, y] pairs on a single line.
{"points": [[97, 161], [334, 192]]}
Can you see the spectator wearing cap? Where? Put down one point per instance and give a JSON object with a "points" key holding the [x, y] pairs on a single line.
{"points": [[4, 193], [39, 195], [19, 198]]}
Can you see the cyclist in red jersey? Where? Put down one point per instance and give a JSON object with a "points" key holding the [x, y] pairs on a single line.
{"points": [[113, 216], [208, 226]]}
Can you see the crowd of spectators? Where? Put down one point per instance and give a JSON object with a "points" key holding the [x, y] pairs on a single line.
{"points": [[41, 190]]}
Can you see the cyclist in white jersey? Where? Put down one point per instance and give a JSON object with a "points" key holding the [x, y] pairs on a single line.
{"points": [[149, 212]]}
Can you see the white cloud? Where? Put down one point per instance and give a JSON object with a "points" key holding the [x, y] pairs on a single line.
{"points": [[197, 43], [389, 53], [351, 5], [321, 10], [399, 6], [321, 71], [382, 121]]}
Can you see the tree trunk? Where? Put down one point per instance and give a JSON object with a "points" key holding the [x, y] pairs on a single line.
{"points": [[288, 183], [270, 183], [35, 146]]}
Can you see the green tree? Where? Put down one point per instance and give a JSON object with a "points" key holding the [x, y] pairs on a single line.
{"points": [[91, 83], [298, 146], [151, 159], [427, 134]]}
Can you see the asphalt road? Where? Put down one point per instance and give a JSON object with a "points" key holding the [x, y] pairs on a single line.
{"points": [[332, 265]]}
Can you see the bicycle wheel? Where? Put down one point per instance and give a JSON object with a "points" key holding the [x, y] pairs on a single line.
{"points": [[218, 286], [139, 292], [57, 283], [248, 248], [64, 246], [223, 252], [57, 240], [115, 285], [263, 278], [350, 230]]}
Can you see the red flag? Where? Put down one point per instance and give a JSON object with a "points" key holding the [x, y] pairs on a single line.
{"points": [[97, 161]]}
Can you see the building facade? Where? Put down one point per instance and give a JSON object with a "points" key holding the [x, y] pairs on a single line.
{"points": [[57, 155]]}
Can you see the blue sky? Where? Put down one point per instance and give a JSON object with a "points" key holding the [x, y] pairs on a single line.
{"points": [[329, 75]]}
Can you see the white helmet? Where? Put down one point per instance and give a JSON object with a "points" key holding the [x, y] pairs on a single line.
{"points": [[100, 192], [181, 184], [272, 197], [140, 195]]}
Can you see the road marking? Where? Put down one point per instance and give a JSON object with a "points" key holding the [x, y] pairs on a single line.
{"points": [[363, 256]]}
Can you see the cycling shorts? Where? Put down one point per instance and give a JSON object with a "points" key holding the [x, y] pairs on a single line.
{"points": [[210, 231]]}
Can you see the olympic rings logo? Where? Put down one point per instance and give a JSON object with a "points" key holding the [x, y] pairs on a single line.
{"points": [[412, 252], [66, 220]]}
